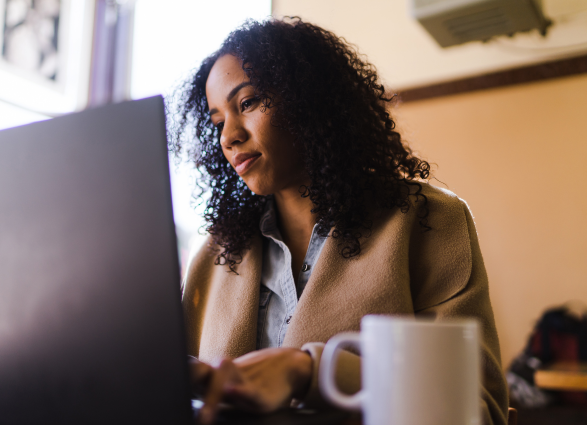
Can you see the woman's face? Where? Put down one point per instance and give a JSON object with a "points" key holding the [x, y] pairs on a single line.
{"points": [[262, 154]]}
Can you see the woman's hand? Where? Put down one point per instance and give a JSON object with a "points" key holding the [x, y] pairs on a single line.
{"points": [[261, 381]]}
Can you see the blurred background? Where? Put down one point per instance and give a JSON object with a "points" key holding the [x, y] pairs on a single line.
{"points": [[502, 119]]}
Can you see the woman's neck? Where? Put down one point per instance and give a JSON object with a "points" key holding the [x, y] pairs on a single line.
{"points": [[296, 222], [294, 215]]}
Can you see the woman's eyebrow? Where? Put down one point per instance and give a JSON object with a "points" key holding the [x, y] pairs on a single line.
{"points": [[231, 94], [236, 89]]}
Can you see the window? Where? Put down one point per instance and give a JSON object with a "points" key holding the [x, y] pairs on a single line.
{"points": [[170, 39], [11, 115]]}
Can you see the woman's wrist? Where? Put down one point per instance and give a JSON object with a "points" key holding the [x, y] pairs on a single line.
{"points": [[301, 374]]}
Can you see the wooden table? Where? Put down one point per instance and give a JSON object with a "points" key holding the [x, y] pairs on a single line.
{"points": [[288, 417], [564, 376]]}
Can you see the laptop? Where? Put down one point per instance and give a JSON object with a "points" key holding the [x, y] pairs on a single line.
{"points": [[91, 328]]}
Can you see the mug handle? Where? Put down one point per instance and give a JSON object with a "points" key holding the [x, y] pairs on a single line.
{"points": [[328, 368]]}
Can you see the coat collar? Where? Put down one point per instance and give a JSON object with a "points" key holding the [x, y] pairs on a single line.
{"points": [[400, 270]]}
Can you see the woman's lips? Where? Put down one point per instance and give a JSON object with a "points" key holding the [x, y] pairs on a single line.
{"points": [[244, 166]]}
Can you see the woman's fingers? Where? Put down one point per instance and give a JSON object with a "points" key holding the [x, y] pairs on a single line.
{"points": [[200, 374], [244, 397], [261, 381], [225, 375]]}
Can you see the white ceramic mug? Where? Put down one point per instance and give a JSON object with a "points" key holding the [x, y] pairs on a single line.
{"points": [[414, 372]]}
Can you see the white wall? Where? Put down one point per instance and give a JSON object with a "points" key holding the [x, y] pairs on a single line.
{"points": [[407, 56]]}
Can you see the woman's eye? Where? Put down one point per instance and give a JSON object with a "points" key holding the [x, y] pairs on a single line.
{"points": [[247, 103], [219, 126]]}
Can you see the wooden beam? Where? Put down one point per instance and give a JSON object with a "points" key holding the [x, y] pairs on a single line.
{"points": [[527, 74]]}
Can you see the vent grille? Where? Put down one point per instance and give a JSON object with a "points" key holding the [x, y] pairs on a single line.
{"points": [[425, 3], [453, 22], [479, 25]]}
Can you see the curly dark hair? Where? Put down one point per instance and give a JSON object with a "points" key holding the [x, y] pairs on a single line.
{"points": [[331, 100]]}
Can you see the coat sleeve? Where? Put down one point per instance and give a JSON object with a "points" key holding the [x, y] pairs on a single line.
{"points": [[472, 300]]}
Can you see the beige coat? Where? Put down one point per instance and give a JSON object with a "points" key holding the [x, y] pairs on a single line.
{"points": [[401, 271]]}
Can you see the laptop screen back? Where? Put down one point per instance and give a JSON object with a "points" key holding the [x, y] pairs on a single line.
{"points": [[90, 317]]}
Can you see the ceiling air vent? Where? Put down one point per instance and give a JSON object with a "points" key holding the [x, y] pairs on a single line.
{"points": [[453, 22]]}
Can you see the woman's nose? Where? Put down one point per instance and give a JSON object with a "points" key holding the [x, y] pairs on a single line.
{"points": [[233, 133]]}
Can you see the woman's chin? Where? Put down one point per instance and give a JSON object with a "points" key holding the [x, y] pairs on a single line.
{"points": [[260, 190], [261, 193]]}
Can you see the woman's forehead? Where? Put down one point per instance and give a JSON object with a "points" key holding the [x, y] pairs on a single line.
{"points": [[226, 74]]}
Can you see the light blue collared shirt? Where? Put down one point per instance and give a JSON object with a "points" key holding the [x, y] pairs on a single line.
{"points": [[279, 293]]}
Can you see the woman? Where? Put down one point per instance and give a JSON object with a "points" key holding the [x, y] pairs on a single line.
{"points": [[318, 215]]}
